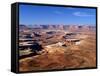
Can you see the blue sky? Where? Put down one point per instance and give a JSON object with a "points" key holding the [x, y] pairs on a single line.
{"points": [[30, 15]]}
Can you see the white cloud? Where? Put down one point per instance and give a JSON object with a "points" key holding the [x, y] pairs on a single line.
{"points": [[82, 14], [57, 12]]}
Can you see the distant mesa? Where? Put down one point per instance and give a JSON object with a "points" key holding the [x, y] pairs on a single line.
{"points": [[59, 27]]}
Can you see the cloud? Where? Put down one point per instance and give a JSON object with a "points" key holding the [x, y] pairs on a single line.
{"points": [[82, 14], [57, 12]]}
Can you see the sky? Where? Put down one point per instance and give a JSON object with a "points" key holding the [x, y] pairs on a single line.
{"points": [[32, 14]]}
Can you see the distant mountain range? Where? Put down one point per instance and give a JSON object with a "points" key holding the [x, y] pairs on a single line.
{"points": [[59, 27]]}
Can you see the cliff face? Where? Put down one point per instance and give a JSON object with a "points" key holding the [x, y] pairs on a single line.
{"points": [[56, 47], [61, 57]]}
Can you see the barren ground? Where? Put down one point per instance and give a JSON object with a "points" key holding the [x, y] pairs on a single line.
{"points": [[75, 56]]}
